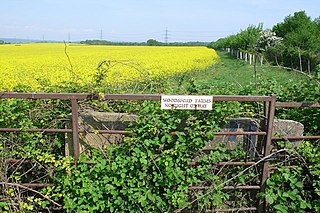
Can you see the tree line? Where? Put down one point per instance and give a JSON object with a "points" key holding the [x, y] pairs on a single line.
{"points": [[149, 42], [298, 45]]}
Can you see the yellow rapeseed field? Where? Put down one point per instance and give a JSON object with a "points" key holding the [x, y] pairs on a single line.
{"points": [[33, 64]]}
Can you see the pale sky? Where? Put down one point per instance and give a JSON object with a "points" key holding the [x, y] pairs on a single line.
{"points": [[140, 20]]}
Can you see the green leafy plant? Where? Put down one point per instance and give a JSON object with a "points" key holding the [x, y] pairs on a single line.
{"points": [[296, 188], [150, 172]]}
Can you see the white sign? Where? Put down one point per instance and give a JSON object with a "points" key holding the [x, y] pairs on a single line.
{"points": [[191, 102]]}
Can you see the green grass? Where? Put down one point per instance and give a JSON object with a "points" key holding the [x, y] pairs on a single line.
{"points": [[232, 75], [239, 73]]}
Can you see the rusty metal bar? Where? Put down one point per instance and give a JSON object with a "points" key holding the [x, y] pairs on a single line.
{"points": [[263, 126], [241, 98], [36, 185], [13, 161], [36, 130], [23, 161], [267, 150], [155, 97], [111, 131], [233, 133], [65, 131], [227, 163], [240, 209], [151, 97], [233, 209], [296, 104], [75, 129], [249, 163], [240, 133], [225, 187], [288, 167], [240, 187], [104, 131]]}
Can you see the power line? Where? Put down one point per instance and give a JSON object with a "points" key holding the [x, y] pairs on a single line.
{"points": [[166, 38], [205, 32], [135, 34], [165, 35]]}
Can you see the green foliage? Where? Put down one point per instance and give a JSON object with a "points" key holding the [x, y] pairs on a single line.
{"points": [[101, 73], [300, 48], [244, 40], [296, 189], [298, 31], [150, 172], [293, 92], [300, 40], [39, 153], [284, 192], [153, 42]]}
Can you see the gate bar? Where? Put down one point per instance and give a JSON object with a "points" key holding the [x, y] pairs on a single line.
{"points": [[75, 129], [155, 97], [267, 150]]}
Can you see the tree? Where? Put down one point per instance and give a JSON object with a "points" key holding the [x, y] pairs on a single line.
{"points": [[153, 42], [1, 42], [266, 40], [301, 40], [244, 40], [300, 48]]}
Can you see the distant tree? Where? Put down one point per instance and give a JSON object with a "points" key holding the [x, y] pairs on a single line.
{"points": [[244, 40], [153, 42], [1, 42]]}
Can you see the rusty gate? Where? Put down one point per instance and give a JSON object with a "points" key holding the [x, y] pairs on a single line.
{"points": [[265, 132]]}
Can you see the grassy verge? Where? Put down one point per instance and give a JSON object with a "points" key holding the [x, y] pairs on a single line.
{"points": [[234, 74]]}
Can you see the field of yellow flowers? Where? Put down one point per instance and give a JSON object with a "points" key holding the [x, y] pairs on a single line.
{"points": [[32, 65]]}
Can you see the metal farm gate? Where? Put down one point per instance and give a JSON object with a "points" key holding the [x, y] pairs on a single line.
{"points": [[264, 133]]}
